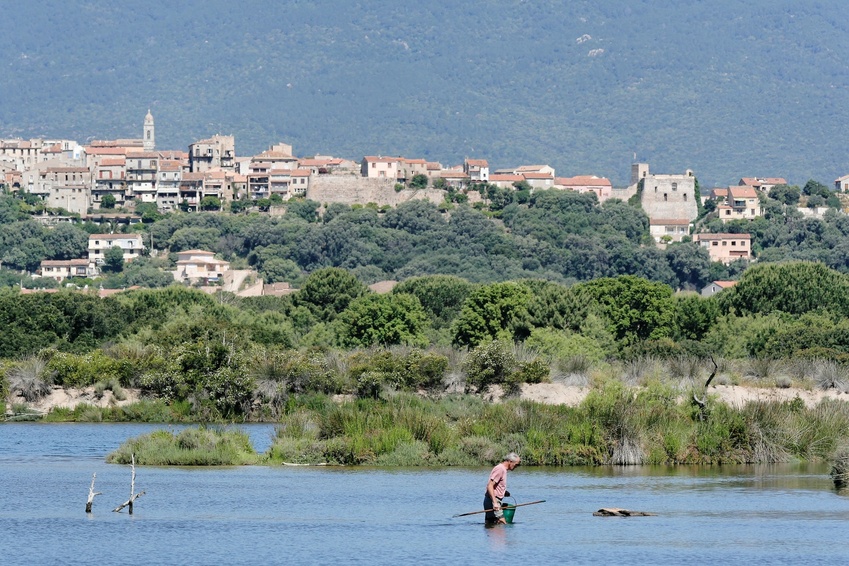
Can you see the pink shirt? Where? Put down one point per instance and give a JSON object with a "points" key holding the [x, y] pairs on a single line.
{"points": [[498, 476]]}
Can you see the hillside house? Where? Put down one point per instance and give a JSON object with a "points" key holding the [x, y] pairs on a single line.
{"points": [[726, 248], [477, 170], [62, 269], [98, 244], [667, 230], [715, 287], [742, 203], [763, 185], [379, 167], [195, 266], [841, 184], [505, 180]]}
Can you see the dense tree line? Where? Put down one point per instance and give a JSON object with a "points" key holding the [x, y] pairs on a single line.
{"points": [[221, 352]]}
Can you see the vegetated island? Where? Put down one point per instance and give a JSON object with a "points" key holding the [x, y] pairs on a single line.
{"points": [[613, 425]]}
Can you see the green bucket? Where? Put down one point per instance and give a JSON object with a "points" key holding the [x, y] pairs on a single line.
{"points": [[508, 510]]}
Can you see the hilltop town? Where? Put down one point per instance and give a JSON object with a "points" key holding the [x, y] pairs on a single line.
{"points": [[117, 180]]}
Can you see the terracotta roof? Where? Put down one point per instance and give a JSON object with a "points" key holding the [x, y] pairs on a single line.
{"points": [[725, 284], [507, 178], [64, 262], [301, 173], [477, 162], [113, 161], [583, 180], [67, 170], [105, 150], [723, 237], [742, 192], [375, 159], [669, 222], [536, 175], [142, 155], [195, 252], [115, 237]]}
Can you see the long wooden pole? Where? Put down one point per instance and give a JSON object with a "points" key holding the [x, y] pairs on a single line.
{"points": [[488, 510]]}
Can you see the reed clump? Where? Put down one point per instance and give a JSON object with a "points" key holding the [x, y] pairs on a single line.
{"points": [[199, 446]]}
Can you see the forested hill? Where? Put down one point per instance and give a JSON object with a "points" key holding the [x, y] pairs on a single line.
{"points": [[728, 88]]}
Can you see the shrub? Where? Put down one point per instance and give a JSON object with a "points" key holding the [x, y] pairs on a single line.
{"points": [[31, 377], [488, 364]]}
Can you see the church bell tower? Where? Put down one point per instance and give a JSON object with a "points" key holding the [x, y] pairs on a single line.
{"points": [[149, 139]]}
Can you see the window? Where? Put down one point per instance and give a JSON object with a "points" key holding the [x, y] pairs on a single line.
{"points": [[674, 186], [665, 197], [715, 243], [685, 197]]}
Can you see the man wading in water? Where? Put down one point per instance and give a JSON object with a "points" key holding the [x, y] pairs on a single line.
{"points": [[496, 489]]}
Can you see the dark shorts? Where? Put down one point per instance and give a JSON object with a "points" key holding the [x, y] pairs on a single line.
{"points": [[491, 517]]}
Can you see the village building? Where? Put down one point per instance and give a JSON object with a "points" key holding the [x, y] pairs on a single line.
{"points": [[726, 248], [715, 287], [741, 203], [763, 185], [99, 244], [477, 170], [376, 167], [600, 186], [194, 266], [65, 268], [668, 230], [217, 152], [505, 180]]}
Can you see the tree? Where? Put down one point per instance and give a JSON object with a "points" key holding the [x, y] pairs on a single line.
{"points": [[635, 308], [384, 320], [794, 288], [66, 241], [813, 188], [785, 194], [327, 292], [113, 260], [278, 269], [210, 202], [419, 181], [303, 208], [441, 296], [691, 264], [107, 202], [148, 212], [496, 311]]}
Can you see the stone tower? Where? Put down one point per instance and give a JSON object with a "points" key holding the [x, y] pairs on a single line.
{"points": [[149, 139]]}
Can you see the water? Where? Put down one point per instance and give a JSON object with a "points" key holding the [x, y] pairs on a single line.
{"points": [[786, 514]]}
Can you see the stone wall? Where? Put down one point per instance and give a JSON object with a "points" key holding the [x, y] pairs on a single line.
{"points": [[353, 189]]}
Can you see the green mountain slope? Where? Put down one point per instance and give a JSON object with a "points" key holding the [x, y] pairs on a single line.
{"points": [[727, 88]]}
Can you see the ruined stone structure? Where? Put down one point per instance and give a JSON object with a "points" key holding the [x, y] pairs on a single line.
{"points": [[669, 196]]}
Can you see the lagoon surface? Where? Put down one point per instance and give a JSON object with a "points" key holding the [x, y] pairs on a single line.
{"points": [[780, 514]]}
